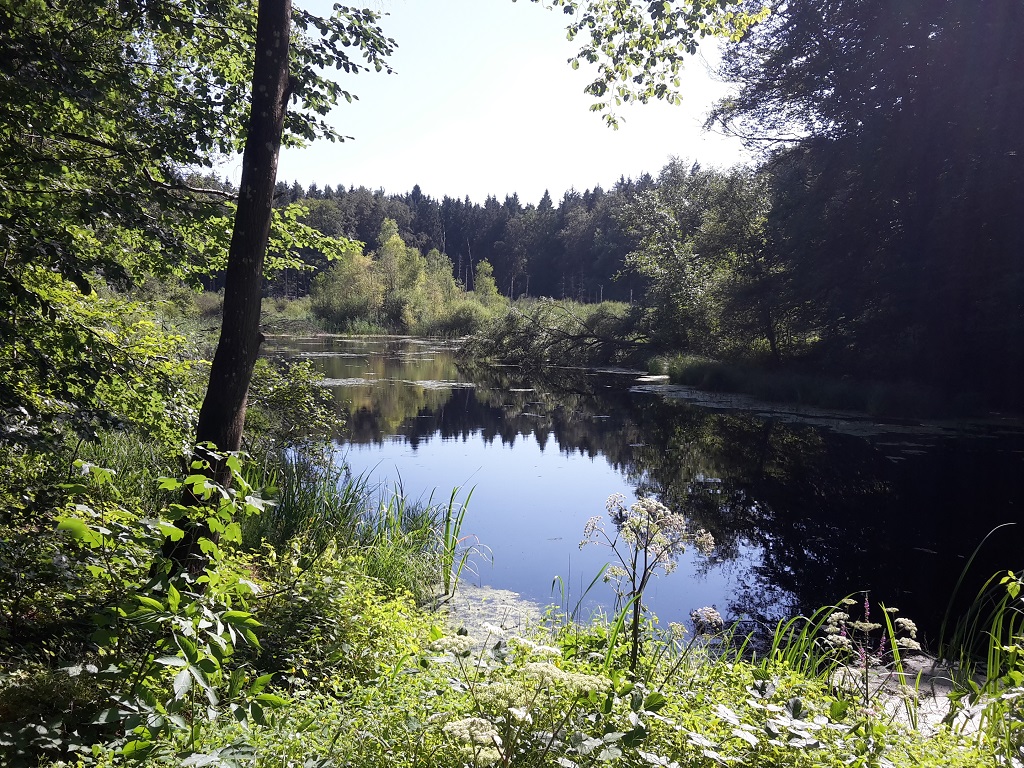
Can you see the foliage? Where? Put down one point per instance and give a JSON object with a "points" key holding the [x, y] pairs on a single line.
{"points": [[714, 286], [330, 627], [397, 288], [157, 645], [485, 289], [351, 670], [893, 220], [104, 104], [535, 334], [288, 405], [989, 645], [81, 364], [639, 47]]}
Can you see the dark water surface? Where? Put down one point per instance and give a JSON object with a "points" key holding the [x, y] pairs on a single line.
{"points": [[806, 507]]}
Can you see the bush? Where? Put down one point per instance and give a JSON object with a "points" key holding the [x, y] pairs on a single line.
{"points": [[461, 318]]}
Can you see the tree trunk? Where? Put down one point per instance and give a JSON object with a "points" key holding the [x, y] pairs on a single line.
{"points": [[222, 416]]}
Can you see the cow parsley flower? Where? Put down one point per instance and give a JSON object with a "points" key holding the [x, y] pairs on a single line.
{"points": [[707, 620]]}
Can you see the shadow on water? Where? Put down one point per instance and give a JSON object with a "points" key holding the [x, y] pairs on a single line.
{"points": [[803, 513]]}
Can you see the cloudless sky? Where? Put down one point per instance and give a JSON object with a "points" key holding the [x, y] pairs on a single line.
{"points": [[483, 102]]}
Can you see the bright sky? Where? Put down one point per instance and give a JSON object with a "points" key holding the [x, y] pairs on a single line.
{"points": [[483, 102]]}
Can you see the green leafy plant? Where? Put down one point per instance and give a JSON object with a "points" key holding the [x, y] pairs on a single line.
{"points": [[162, 648]]}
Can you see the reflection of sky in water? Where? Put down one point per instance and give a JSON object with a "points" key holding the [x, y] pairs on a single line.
{"points": [[832, 505], [529, 507]]}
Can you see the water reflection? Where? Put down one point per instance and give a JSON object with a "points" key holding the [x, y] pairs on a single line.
{"points": [[802, 514]]}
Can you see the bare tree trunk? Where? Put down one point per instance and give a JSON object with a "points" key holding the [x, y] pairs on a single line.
{"points": [[222, 416]]}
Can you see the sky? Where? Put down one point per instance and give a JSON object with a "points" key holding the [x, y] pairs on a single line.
{"points": [[483, 102]]}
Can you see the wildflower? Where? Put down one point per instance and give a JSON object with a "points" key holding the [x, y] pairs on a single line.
{"points": [[536, 649], [908, 644], [864, 626], [486, 756], [707, 620], [839, 642], [677, 630], [457, 645], [836, 622], [614, 573], [521, 715], [493, 629], [704, 542], [615, 504], [500, 696], [581, 684], [594, 526], [473, 730], [544, 671], [907, 626]]}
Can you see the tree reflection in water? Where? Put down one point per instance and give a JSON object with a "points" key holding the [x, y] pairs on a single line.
{"points": [[895, 511]]}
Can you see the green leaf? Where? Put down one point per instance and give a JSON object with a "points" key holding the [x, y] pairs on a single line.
{"points": [[233, 463], [251, 638], [256, 713], [170, 531], [145, 601], [170, 661], [243, 618], [137, 748], [272, 700], [188, 647], [173, 598], [837, 711], [182, 683], [635, 737], [260, 683], [79, 530], [654, 702]]}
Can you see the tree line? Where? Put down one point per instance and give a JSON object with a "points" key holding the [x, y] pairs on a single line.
{"points": [[877, 236], [573, 250]]}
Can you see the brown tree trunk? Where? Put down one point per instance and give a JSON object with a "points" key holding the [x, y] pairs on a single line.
{"points": [[222, 415]]}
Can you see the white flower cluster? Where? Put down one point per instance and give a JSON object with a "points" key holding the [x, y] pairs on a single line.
{"points": [[908, 643], [473, 730], [646, 525], [839, 642], [578, 683], [535, 649], [457, 645], [594, 526], [704, 542], [707, 620], [479, 735], [907, 626], [502, 695], [839, 629]]}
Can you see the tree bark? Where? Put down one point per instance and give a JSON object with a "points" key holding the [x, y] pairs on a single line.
{"points": [[222, 416]]}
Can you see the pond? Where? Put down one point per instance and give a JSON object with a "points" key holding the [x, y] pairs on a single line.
{"points": [[805, 506]]}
